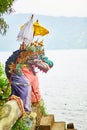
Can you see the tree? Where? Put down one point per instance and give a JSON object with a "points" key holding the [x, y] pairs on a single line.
{"points": [[5, 7]]}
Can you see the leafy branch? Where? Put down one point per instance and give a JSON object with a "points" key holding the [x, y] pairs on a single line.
{"points": [[5, 7]]}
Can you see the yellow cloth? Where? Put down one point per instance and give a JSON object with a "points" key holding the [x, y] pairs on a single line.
{"points": [[39, 30]]}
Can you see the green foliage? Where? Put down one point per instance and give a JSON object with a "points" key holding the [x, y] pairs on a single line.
{"points": [[1, 69], [3, 84], [5, 7], [23, 124], [43, 107], [4, 26]]}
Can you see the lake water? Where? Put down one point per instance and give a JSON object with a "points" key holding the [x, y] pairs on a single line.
{"points": [[64, 87]]}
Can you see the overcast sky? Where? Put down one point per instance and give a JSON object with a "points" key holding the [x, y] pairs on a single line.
{"points": [[52, 7]]}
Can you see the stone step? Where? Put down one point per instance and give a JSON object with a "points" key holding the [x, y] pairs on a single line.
{"points": [[46, 122], [59, 126]]}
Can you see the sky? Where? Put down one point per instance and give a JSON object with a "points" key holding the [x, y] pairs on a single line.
{"points": [[67, 8]]}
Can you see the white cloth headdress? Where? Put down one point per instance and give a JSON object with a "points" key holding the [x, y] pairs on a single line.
{"points": [[26, 33]]}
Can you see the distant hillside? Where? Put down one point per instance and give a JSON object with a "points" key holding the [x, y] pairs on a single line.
{"points": [[65, 32]]}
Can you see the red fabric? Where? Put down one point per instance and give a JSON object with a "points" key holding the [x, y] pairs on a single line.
{"points": [[33, 79]]}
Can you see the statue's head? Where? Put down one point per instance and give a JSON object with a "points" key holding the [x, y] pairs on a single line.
{"points": [[34, 56]]}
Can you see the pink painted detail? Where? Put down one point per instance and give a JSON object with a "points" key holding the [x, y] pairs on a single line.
{"points": [[33, 79]]}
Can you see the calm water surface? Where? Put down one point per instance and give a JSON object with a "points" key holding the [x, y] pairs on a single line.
{"points": [[64, 87]]}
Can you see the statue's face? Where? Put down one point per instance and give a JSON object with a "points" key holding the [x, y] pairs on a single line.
{"points": [[42, 66], [34, 56], [38, 63]]}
